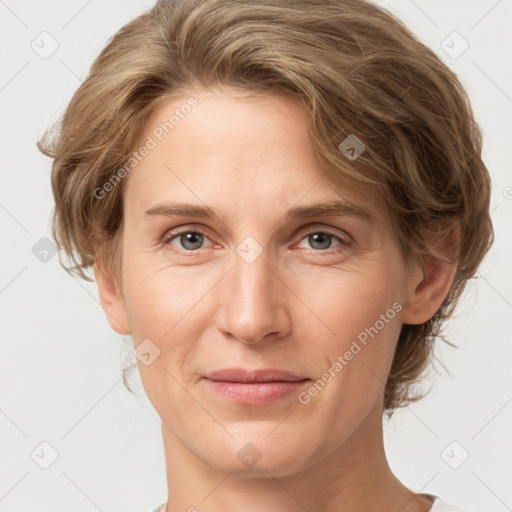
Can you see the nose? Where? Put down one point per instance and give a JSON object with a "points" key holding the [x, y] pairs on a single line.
{"points": [[252, 301]]}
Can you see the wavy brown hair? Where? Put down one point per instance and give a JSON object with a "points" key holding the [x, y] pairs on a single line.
{"points": [[355, 68]]}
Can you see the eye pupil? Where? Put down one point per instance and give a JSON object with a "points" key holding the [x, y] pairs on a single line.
{"points": [[189, 237], [319, 238]]}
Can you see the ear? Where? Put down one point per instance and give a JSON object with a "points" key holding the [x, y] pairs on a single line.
{"points": [[111, 298], [432, 279]]}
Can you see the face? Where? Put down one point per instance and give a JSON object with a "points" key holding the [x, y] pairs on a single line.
{"points": [[249, 277]]}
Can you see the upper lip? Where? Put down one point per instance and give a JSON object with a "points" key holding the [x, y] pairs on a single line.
{"points": [[257, 375]]}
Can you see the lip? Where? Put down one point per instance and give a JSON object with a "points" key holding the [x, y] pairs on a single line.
{"points": [[254, 387], [251, 376]]}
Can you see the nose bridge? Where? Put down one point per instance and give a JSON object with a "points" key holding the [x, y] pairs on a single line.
{"points": [[253, 280], [252, 298]]}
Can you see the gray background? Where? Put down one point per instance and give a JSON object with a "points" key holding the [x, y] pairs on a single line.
{"points": [[60, 361]]}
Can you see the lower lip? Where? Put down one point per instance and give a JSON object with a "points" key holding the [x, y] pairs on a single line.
{"points": [[256, 393]]}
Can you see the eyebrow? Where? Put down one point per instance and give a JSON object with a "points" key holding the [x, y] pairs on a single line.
{"points": [[328, 209]]}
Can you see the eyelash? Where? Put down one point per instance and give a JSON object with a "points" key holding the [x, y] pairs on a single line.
{"points": [[169, 237]]}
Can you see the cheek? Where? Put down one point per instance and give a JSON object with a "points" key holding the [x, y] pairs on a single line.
{"points": [[165, 307], [359, 319], [158, 297], [344, 303], [171, 306]]}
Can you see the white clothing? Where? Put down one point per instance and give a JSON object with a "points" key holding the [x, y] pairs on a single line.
{"points": [[438, 506]]}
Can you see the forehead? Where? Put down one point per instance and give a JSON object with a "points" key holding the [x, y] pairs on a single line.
{"points": [[229, 148], [229, 125]]}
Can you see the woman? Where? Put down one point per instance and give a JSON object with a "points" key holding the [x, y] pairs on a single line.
{"points": [[281, 202]]}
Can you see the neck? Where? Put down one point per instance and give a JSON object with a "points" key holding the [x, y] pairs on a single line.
{"points": [[356, 476]]}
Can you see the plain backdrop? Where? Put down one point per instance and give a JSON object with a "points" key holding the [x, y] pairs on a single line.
{"points": [[63, 403]]}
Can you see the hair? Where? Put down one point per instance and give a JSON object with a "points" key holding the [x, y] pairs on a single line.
{"points": [[356, 69]]}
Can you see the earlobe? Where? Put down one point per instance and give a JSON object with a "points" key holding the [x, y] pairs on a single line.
{"points": [[111, 299], [431, 282]]}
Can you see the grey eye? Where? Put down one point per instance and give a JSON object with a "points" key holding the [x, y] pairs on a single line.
{"points": [[191, 240], [321, 240]]}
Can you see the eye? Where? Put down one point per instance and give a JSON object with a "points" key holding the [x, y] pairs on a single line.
{"points": [[322, 240], [188, 240]]}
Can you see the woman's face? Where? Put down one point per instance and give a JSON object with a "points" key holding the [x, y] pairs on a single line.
{"points": [[258, 283]]}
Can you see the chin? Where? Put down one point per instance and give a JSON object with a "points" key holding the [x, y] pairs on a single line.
{"points": [[253, 453], [268, 465]]}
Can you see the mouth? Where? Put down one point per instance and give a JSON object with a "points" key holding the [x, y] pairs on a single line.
{"points": [[254, 387]]}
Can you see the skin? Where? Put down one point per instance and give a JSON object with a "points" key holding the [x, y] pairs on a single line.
{"points": [[296, 307]]}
